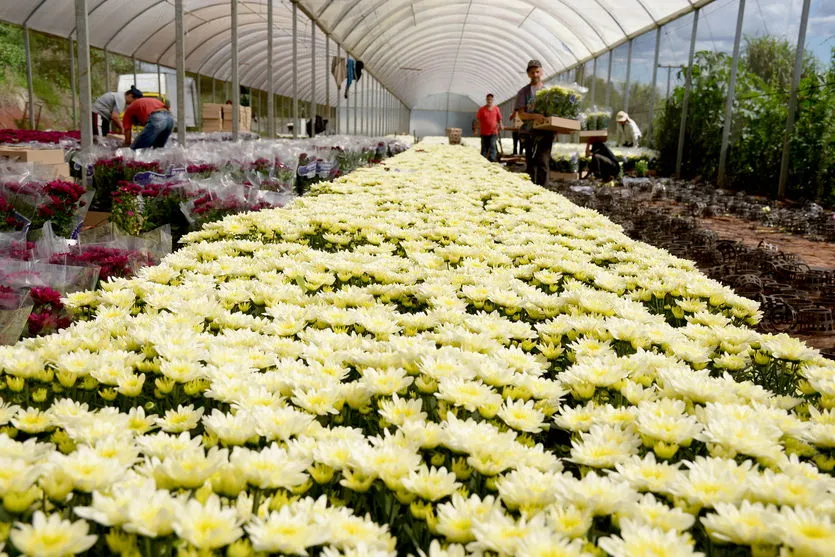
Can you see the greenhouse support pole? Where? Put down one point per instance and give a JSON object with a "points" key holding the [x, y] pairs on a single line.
{"points": [[85, 120], [214, 89], [29, 84], [270, 72], [327, 79], [236, 84], [106, 71], [338, 94], [72, 81], [798, 68], [654, 90], [628, 78], [609, 81], [180, 53], [313, 107], [159, 79], [295, 72], [133, 65], [198, 110], [356, 101], [688, 83], [731, 96], [593, 82]]}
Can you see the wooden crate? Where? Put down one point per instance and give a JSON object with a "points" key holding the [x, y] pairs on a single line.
{"points": [[43, 156], [565, 176], [591, 136], [212, 124], [558, 125], [212, 111]]}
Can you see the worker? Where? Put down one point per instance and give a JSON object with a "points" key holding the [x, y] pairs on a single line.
{"points": [[538, 143], [603, 163], [517, 123], [489, 125], [628, 133], [106, 110], [151, 113]]}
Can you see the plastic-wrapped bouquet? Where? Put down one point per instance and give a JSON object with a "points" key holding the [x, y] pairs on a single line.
{"points": [[48, 313], [596, 120], [137, 209], [113, 262], [58, 201], [558, 101]]}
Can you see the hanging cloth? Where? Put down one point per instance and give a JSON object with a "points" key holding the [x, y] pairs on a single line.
{"points": [[339, 70], [358, 70], [350, 74]]}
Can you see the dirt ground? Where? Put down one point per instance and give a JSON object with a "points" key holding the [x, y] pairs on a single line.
{"points": [[728, 227]]}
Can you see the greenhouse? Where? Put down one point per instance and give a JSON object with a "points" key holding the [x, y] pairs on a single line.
{"points": [[427, 278]]}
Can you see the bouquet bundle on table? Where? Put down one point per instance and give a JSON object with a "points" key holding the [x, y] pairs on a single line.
{"points": [[593, 120], [559, 100], [35, 138]]}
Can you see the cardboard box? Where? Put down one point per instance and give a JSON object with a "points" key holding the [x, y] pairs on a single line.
{"points": [[55, 171], [212, 111], [589, 136], [94, 219], [212, 124], [244, 114], [558, 125], [565, 176], [43, 156]]}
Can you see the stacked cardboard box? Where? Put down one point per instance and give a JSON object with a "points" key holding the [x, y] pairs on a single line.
{"points": [[51, 161], [244, 118], [212, 117]]}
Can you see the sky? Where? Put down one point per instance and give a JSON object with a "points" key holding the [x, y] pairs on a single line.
{"points": [[717, 26]]}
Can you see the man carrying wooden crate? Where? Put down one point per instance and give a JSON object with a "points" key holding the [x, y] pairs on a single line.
{"points": [[538, 143]]}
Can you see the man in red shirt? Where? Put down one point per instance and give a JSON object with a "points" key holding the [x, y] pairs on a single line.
{"points": [[490, 122], [148, 112]]}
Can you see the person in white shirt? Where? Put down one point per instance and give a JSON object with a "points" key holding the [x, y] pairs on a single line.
{"points": [[106, 110], [628, 133]]}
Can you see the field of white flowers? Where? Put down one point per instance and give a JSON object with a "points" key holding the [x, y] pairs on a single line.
{"points": [[430, 357]]}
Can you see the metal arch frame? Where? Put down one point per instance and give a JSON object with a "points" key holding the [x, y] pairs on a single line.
{"points": [[207, 21], [251, 40], [437, 40], [534, 5], [438, 62], [227, 30], [381, 59], [244, 48]]}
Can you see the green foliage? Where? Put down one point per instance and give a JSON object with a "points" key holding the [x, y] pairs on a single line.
{"points": [[12, 54], [759, 120]]}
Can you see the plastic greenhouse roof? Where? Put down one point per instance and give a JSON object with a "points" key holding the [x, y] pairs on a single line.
{"points": [[416, 48]]}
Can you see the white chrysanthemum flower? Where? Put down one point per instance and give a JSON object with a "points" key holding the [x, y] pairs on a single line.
{"points": [[637, 539], [521, 415], [603, 446], [569, 520], [652, 512], [455, 518], [749, 524], [51, 536], [431, 484], [805, 531], [207, 526], [502, 533], [184, 418], [270, 467], [287, 531], [398, 410], [647, 474]]}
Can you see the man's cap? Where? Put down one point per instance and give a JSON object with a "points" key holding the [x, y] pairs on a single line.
{"points": [[534, 64]]}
